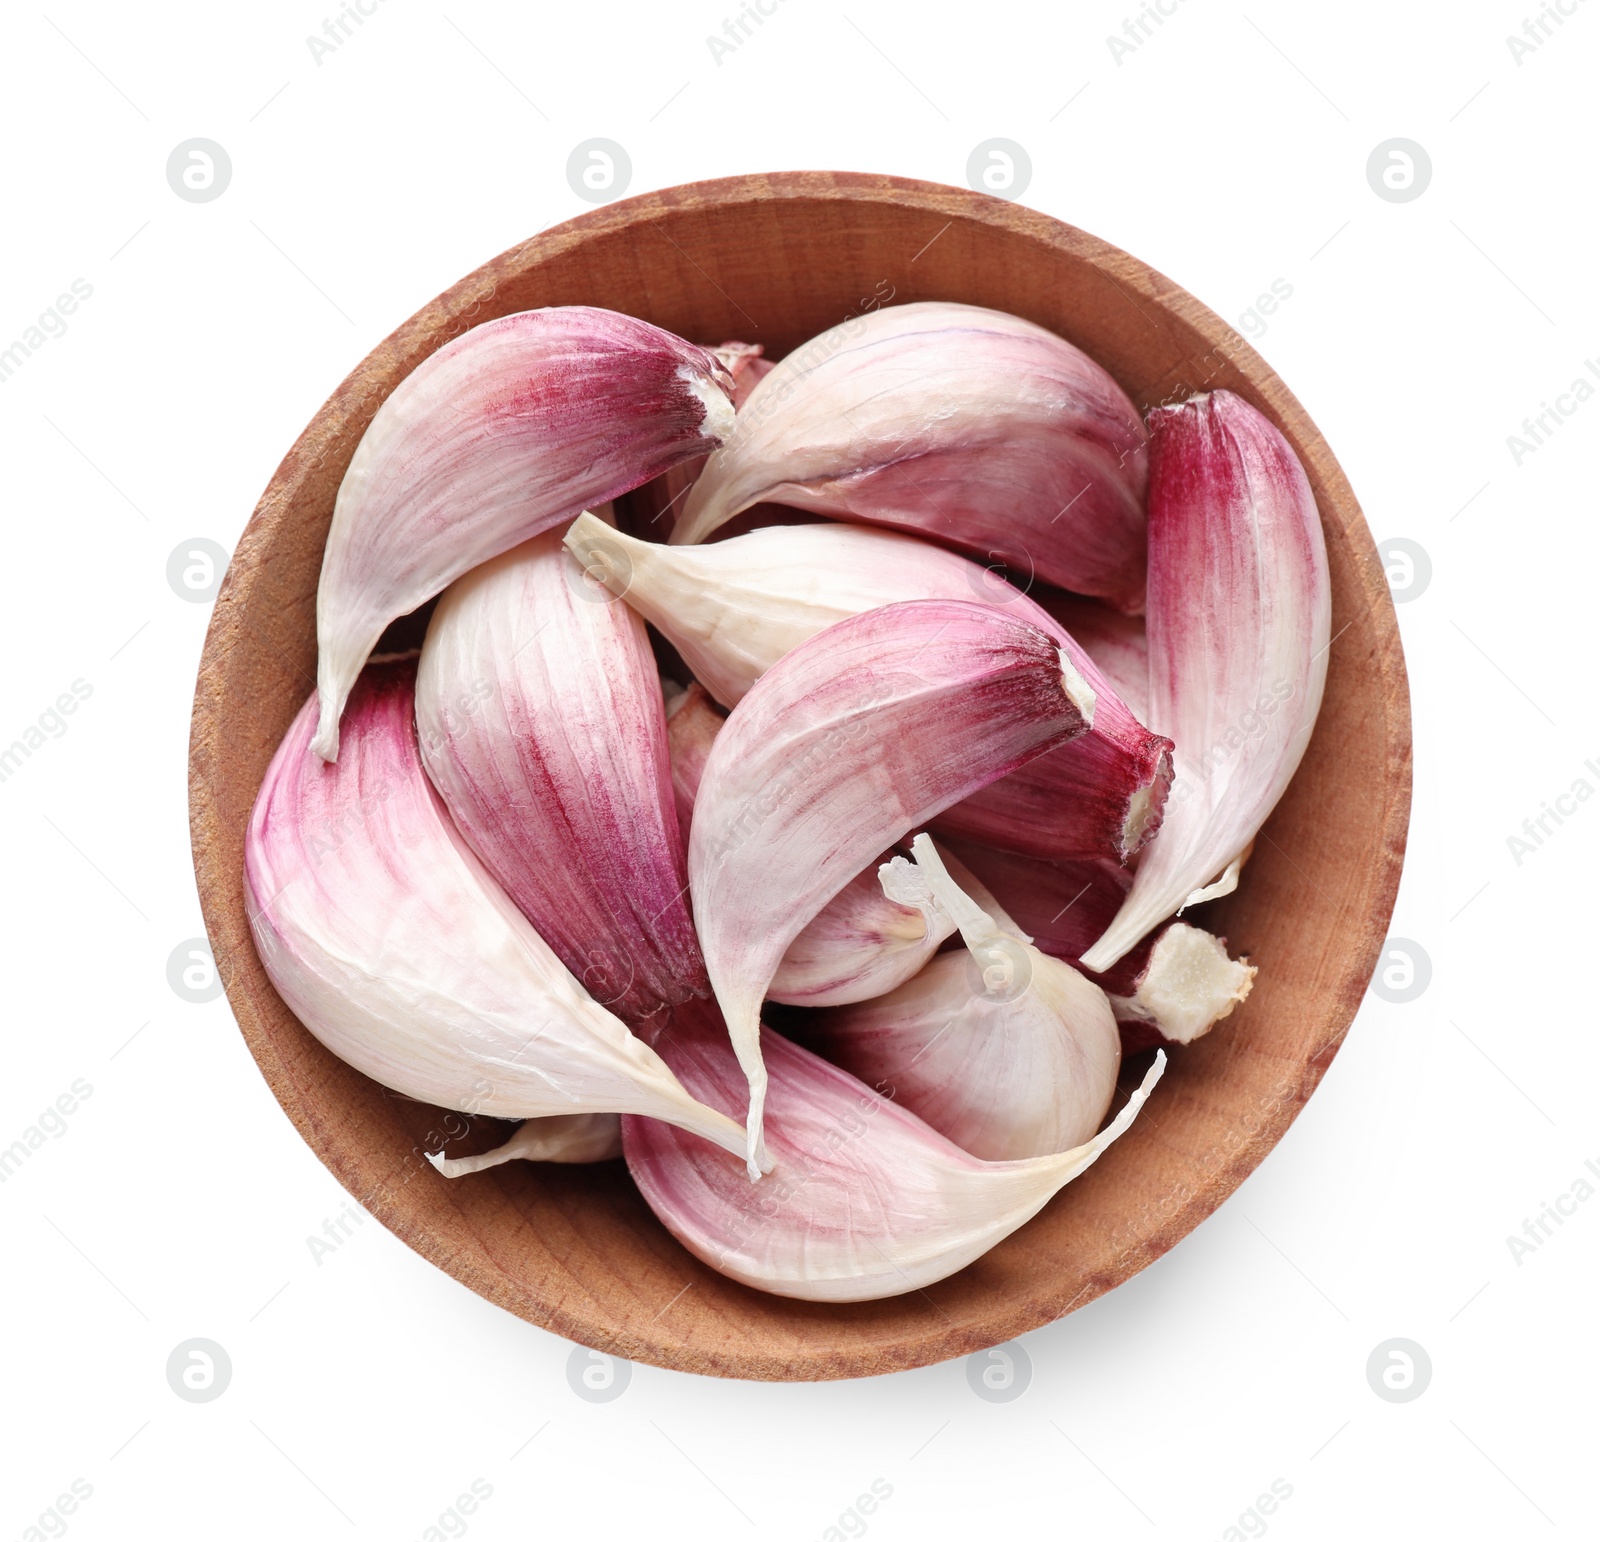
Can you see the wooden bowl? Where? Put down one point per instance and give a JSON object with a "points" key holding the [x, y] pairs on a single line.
{"points": [[776, 259]]}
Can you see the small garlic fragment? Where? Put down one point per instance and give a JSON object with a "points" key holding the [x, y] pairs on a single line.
{"points": [[968, 426], [389, 940], [864, 1200], [1239, 613], [1002, 1049], [511, 428], [1188, 984], [846, 744], [556, 1138], [1179, 980]]}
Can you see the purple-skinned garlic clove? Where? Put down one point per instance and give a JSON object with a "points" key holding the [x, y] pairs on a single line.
{"points": [[394, 946], [541, 724], [514, 427], [965, 425], [849, 742], [864, 1200], [1238, 622]]}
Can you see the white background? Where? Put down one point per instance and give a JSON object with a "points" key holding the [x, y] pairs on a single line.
{"points": [[369, 1389]]}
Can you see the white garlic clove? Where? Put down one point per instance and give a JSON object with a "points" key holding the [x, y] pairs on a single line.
{"points": [[540, 720], [968, 426], [513, 427], [1239, 613], [846, 744], [393, 945]]}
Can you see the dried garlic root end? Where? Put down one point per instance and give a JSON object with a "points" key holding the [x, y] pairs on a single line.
{"points": [[1190, 985], [718, 423]]}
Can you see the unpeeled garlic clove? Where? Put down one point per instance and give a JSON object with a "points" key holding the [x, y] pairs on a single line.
{"points": [[870, 937], [965, 425], [515, 426], [734, 608], [847, 743], [540, 720], [999, 1047], [1178, 981], [558, 1138], [1238, 625], [389, 940], [864, 1199]]}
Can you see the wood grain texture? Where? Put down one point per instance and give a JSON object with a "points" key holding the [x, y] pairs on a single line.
{"points": [[776, 259]]}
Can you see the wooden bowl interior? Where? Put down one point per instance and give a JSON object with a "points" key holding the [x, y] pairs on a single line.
{"points": [[574, 1249]]}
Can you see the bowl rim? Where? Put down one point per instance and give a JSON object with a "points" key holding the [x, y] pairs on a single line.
{"points": [[220, 888]]}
